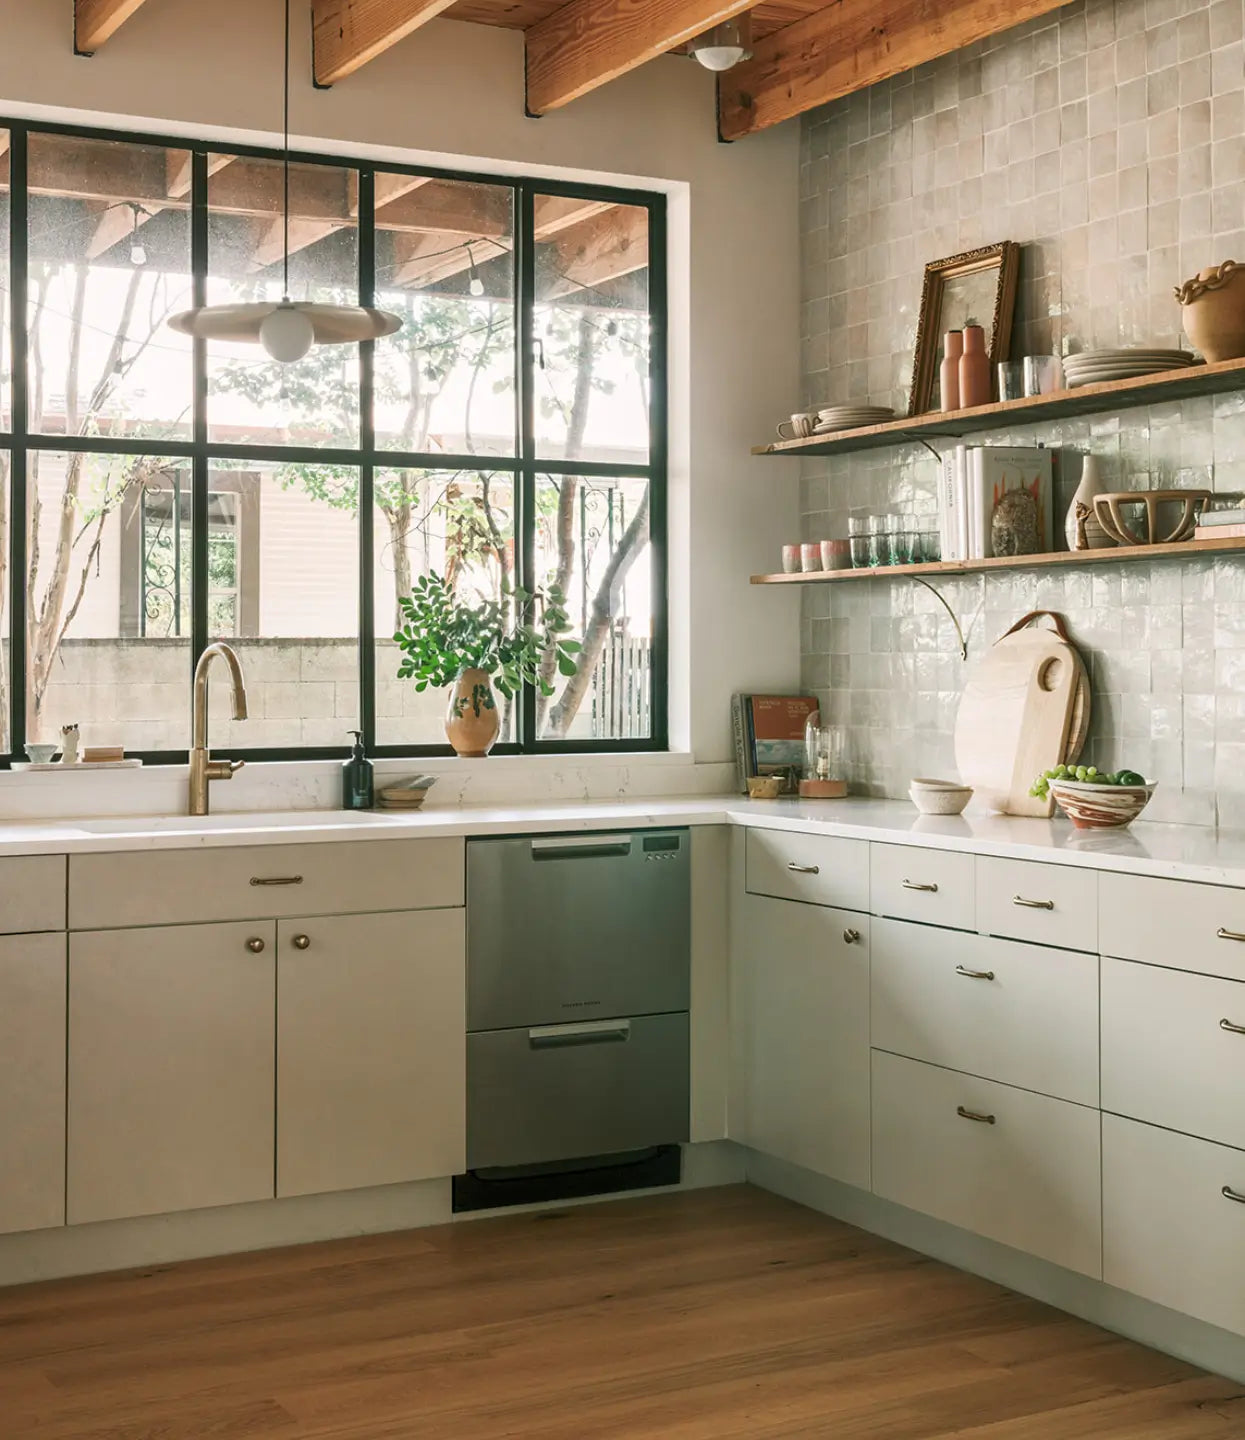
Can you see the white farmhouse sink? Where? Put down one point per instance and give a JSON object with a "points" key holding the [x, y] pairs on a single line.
{"points": [[292, 820]]}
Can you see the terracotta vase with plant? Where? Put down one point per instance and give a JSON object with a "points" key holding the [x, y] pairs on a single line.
{"points": [[475, 650]]}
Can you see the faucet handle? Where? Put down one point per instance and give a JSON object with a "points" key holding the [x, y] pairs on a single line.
{"points": [[223, 769]]}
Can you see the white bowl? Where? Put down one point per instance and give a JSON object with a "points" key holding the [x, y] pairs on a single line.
{"points": [[945, 800], [937, 784]]}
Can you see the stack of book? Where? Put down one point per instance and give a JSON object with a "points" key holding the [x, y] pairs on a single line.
{"points": [[769, 734], [1220, 525], [974, 480]]}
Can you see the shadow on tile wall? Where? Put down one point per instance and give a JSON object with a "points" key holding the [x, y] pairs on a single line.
{"points": [[1110, 140]]}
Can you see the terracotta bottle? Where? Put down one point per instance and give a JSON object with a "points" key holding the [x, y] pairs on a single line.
{"points": [[974, 369], [949, 370]]}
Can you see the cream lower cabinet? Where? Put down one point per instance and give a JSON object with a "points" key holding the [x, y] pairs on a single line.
{"points": [[171, 1063], [371, 1050], [800, 1036], [32, 1082]]}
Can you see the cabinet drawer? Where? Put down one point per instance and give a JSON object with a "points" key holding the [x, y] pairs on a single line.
{"points": [[1168, 1054], [1173, 922], [1050, 904], [820, 869], [933, 886], [32, 894], [1170, 1234], [1028, 1176], [271, 881], [1025, 1015]]}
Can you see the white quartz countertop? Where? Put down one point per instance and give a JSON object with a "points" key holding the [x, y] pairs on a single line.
{"points": [[1169, 851]]}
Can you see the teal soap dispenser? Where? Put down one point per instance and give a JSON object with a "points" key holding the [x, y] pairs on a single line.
{"points": [[358, 778]]}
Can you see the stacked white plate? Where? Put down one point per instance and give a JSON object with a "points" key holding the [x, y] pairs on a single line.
{"points": [[1093, 367], [850, 417]]}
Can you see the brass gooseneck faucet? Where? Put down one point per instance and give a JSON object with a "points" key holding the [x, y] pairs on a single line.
{"points": [[202, 767]]}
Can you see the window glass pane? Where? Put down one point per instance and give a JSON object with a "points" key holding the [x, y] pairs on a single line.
{"points": [[109, 236], [6, 351], [592, 541], [284, 590], [6, 467], [592, 330], [445, 381], [252, 398], [102, 653], [460, 525]]}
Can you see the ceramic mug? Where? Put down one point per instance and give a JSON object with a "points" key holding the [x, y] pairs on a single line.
{"points": [[800, 426], [810, 556], [792, 561]]}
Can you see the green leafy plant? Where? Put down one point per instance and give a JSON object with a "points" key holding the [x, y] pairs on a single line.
{"points": [[442, 634]]}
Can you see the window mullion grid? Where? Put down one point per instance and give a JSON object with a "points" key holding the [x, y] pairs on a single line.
{"points": [[19, 398], [525, 476]]}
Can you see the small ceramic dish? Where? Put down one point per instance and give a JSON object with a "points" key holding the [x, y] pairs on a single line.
{"points": [[1100, 807], [41, 754], [943, 799], [937, 784]]}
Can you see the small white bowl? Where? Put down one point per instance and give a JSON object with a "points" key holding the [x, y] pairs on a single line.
{"points": [[942, 800], [937, 784]]}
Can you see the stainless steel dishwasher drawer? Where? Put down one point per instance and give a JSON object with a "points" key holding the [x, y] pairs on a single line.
{"points": [[577, 927], [560, 1092]]}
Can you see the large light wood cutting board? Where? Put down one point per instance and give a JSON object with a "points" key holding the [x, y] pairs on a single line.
{"points": [[1016, 717]]}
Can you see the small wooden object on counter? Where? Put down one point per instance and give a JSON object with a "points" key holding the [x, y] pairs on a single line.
{"points": [[103, 754], [1016, 716], [765, 787], [823, 789], [1109, 512]]}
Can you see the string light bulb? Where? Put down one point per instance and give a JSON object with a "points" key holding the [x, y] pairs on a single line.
{"points": [[475, 286]]}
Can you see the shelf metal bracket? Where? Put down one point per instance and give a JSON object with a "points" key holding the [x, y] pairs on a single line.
{"points": [[942, 600]]}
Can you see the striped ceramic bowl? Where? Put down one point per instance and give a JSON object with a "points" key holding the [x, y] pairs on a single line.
{"points": [[1100, 807]]}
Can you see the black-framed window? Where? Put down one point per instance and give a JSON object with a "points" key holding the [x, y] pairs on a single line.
{"points": [[156, 493]]}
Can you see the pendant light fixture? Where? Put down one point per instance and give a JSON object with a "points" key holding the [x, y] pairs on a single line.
{"points": [[725, 45], [288, 329]]}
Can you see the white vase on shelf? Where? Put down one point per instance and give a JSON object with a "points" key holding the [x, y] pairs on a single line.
{"points": [[1080, 525]]}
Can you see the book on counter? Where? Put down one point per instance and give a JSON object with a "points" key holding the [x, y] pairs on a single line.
{"points": [[975, 479], [769, 733]]}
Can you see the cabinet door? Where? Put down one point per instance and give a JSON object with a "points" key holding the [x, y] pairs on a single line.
{"points": [[800, 1041], [371, 1050], [32, 1082], [171, 1066]]}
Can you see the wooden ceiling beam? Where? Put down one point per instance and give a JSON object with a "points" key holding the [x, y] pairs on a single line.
{"points": [[593, 253], [587, 42], [346, 34], [554, 213], [270, 239], [95, 21], [423, 260], [850, 45], [115, 223], [179, 170]]}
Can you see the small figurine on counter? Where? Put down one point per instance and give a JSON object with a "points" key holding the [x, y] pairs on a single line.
{"points": [[69, 745]]}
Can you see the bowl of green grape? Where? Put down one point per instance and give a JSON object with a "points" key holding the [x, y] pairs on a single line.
{"points": [[1095, 799]]}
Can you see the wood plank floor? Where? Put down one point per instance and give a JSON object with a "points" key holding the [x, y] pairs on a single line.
{"points": [[698, 1316]]}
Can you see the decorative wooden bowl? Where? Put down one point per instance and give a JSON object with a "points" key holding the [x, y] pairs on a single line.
{"points": [[1109, 512]]}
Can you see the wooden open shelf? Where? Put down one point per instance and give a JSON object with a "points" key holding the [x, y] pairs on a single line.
{"points": [[1085, 400], [1118, 554]]}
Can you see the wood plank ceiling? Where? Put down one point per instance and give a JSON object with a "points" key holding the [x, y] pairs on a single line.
{"points": [[806, 52]]}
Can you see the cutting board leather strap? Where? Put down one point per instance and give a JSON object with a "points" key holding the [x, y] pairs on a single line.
{"points": [[1058, 626]]}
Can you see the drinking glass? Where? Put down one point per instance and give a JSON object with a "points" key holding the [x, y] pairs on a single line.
{"points": [[1011, 380], [858, 540], [1043, 374], [879, 541], [931, 547]]}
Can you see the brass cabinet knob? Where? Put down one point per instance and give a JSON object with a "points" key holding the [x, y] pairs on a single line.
{"points": [[851, 937], [302, 942], [255, 945]]}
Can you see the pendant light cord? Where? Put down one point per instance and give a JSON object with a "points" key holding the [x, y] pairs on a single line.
{"points": [[285, 115]]}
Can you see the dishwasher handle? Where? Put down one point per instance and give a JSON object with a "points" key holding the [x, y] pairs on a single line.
{"points": [[580, 847], [586, 1032]]}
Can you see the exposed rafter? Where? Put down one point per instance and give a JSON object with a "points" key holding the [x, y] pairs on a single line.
{"points": [[850, 45], [588, 42], [115, 223], [95, 21], [594, 252], [346, 34], [270, 238], [178, 165]]}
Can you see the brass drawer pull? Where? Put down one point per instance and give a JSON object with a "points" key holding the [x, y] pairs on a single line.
{"points": [[974, 974], [915, 885], [302, 942], [851, 937], [1229, 934], [1235, 1029], [276, 879], [1033, 904], [803, 869], [255, 945], [974, 1115], [1229, 1194]]}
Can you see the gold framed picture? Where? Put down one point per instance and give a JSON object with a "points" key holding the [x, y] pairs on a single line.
{"points": [[978, 287]]}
